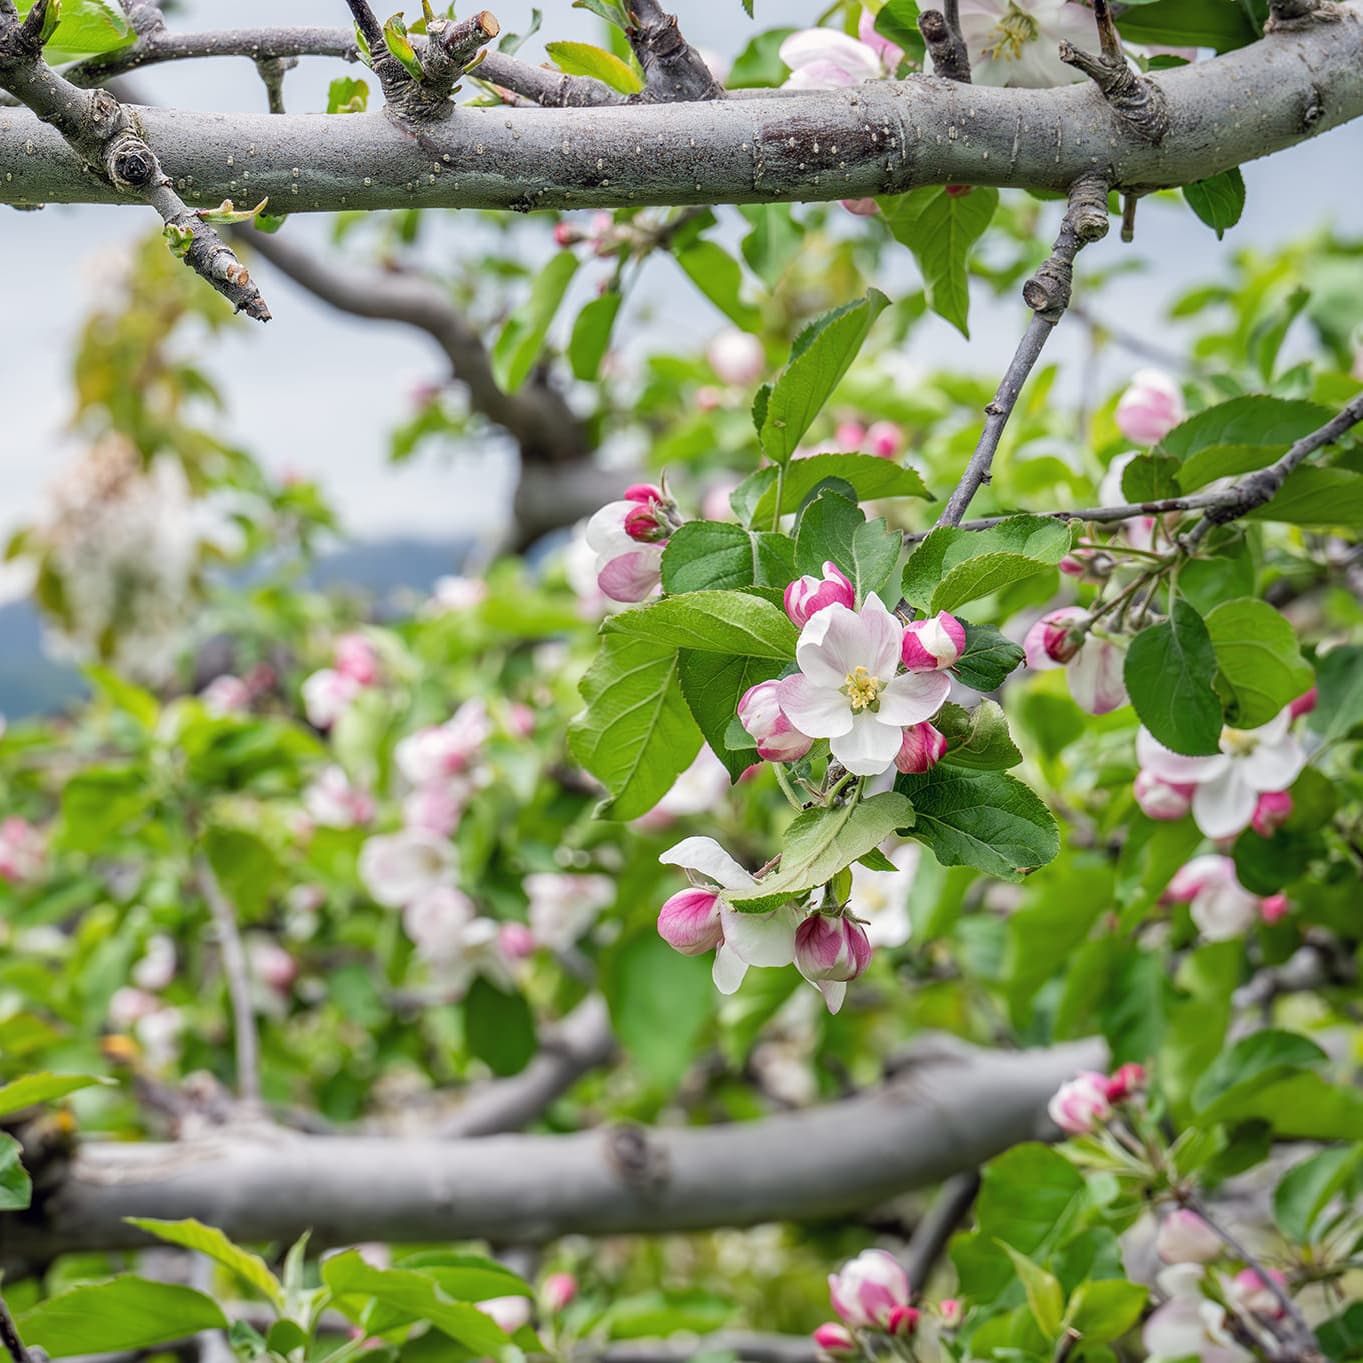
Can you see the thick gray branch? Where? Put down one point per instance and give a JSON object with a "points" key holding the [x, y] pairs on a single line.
{"points": [[880, 138], [952, 1109]]}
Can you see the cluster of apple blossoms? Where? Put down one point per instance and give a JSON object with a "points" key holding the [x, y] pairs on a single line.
{"points": [[873, 1299]]}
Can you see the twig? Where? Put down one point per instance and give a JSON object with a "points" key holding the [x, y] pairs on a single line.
{"points": [[272, 71], [368, 24], [673, 70], [235, 968], [1135, 99], [949, 1208], [946, 47], [8, 1330], [549, 89], [102, 132], [1047, 293]]}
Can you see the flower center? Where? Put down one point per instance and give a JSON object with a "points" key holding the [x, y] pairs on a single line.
{"points": [[863, 690], [1238, 742], [1014, 30]]}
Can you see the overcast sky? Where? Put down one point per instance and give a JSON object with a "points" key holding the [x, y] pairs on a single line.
{"points": [[294, 388]]}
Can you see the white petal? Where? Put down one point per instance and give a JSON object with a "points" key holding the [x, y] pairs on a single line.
{"points": [[811, 45], [710, 859], [884, 637], [729, 970], [1276, 728], [1095, 676], [818, 711], [832, 645], [1273, 766], [1176, 767], [833, 991], [761, 938], [870, 747], [913, 697], [1225, 805], [606, 530]]}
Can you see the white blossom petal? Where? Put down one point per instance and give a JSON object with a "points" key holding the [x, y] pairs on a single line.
{"points": [[913, 697], [729, 969], [766, 939], [1224, 805], [710, 859], [819, 711], [870, 746]]}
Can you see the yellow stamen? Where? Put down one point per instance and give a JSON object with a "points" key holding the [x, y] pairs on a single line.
{"points": [[1015, 29], [1238, 742], [863, 690]]}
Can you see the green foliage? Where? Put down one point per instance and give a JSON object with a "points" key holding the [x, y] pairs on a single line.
{"points": [[522, 338], [126, 1312], [1168, 672], [1237, 436], [584, 59], [952, 566], [1259, 665], [1218, 201]]}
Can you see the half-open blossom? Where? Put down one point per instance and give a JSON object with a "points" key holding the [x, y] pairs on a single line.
{"points": [[1273, 810], [831, 949], [22, 848], [1222, 909], [334, 802], [835, 1340], [437, 753], [1092, 661], [737, 357], [761, 939], [867, 1289], [1081, 1106], [1185, 1238], [327, 695], [1228, 784], [1018, 44], [1151, 407], [628, 538], [564, 906], [1187, 1324], [1163, 800], [847, 689], [808, 595], [933, 643], [1249, 1289], [226, 695], [880, 899], [923, 748], [398, 868], [760, 713], [828, 59]]}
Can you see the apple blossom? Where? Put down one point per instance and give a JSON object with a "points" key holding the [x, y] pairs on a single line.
{"points": [[356, 658], [399, 868], [435, 754], [563, 907], [454, 593], [884, 439], [437, 808], [760, 713], [1018, 44], [557, 1290], [327, 695], [1185, 1238], [830, 950], [880, 899], [760, 939], [923, 748], [1093, 662], [933, 644], [951, 1311], [1250, 1290], [332, 801], [226, 695], [827, 59], [22, 850], [1187, 1325], [511, 1313], [1126, 1082], [1163, 800], [1221, 908], [808, 595], [1273, 810], [867, 1289], [270, 963], [1228, 784], [520, 720], [847, 689], [835, 1340], [156, 969], [861, 208], [1081, 1106], [1151, 407], [737, 357], [890, 54], [1275, 908], [436, 922], [628, 538], [516, 941]]}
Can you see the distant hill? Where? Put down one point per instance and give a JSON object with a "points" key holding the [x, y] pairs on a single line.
{"points": [[32, 683]]}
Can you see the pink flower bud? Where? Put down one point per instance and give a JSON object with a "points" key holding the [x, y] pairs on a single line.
{"points": [[922, 749], [1073, 567], [849, 435], [565, 234], [831, 947], [1081, 1106], [226, 696], [520, 720], [1274, 908], [933, 644], [516, 941], [868, 1288], [644, 493], [357, 659], [902, 1321], [1304, 703], [1185, 1238], [689, 921], [884, 439], [644, 525], [709, 399], [1162, 800], [778, 740], [736, 357], [807, 596], [1250, 1290], [557, 1291], [1272, 811], [1127, 1081], [1150, 408], [835, 1339], [958, 191], [1054, 639], [861, 208], [952, 1312], [271, 964]]}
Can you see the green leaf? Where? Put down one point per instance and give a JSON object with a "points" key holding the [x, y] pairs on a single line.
{"points": [[400, 46], [821, 356], [1341, 1337], [940, 228], [952, 566], [820, 843], [834, 529], [1339, 675], [43, 1088], [718, 276], [985, 819], [464, 1276], [120, 1313], [245, 865], [1260, 663], [1150, 478], [1105, 1309], [347, 96], [636, 735], [1308, 1188], [1247, 432], [124, 695], [191, 1234], [719, 556], [978, 738], [774, 241], [16, 1188], [522, 337], [99, 803], [715, 622], [759, 64], [1249, 1065], [1168, 673], [869, 477], [1045, 1299], [988, 658], [499, 1027], [1316, 497], [713, 684], [583, 59], [1217, 24], [1029, 1195], [591, 336], [85, 28], [898, 21], [413, 1296], [1218, 201]]}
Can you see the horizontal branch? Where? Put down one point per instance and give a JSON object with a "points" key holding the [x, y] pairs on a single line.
{"points": [[879, 138], [953, 1108]]}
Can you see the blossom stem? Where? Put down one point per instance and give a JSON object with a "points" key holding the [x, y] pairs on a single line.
{"points": [[783, 780]]}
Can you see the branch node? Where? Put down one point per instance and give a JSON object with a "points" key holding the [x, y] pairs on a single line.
{"points": [[1047, 292], [1134, 98], [674, 72], [946, 48], [1287, 16]]}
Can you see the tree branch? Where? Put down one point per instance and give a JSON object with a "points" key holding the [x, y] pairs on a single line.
{"points": [[879, 138], [952, 1109], [235, 968], [9, 1332], [946, 47], [950, 1207], [674, 71], [103, 134]]}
